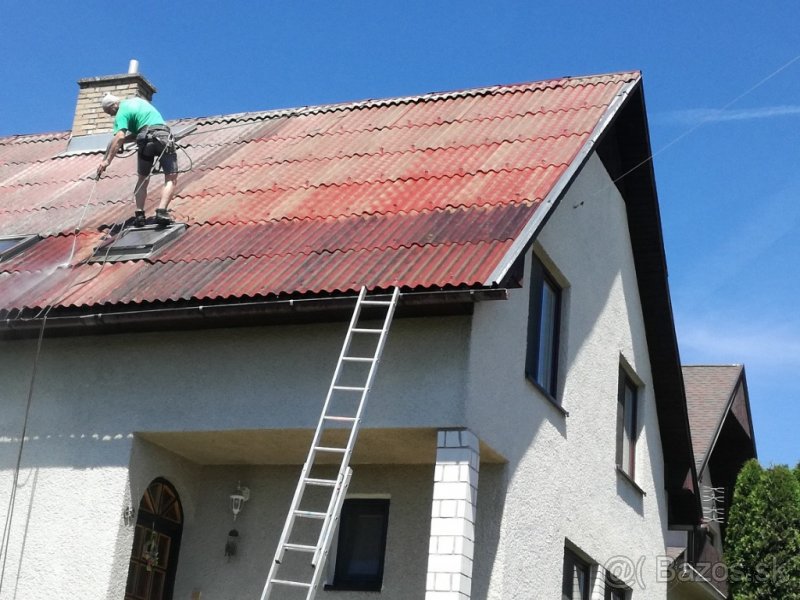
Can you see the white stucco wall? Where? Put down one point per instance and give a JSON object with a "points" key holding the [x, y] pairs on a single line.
{"points": [[562, 482], [93, 393]]}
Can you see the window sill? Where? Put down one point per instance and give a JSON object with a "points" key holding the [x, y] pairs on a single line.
{"points": [[630, 480], [329, 587], [548, 396]]}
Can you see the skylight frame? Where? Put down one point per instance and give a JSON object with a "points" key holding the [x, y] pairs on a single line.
{"points": [[117, 250], [96, 143], [24, 241]]}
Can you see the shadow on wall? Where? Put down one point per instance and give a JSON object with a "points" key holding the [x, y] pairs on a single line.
{"points": [[70, 450], [492, 487]]}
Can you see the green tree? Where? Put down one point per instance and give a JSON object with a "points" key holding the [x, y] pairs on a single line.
{"points": [[763, 534]]}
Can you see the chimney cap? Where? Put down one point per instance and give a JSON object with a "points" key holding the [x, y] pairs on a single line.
{"points": [[122, 78]]}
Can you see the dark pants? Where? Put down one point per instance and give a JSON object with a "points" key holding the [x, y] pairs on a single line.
{"points": [[154, 142]]}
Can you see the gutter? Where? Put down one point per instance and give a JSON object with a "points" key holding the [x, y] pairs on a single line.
{"points": [[261, 312]]}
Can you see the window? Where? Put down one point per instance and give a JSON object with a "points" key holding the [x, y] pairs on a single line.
{"points": [[14, 244], [615, 589], [361, 546], [575, 584], [95, 143], [544, 324], [137, 243], [626, 424], [87, 144]]}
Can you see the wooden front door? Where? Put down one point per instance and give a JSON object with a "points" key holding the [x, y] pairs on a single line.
{"points": [[156, 541]]}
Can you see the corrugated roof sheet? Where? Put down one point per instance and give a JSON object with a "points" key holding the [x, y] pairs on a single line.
{"points": [[424, 192]]}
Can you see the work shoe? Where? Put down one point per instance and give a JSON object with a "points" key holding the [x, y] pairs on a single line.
{"points": [[162, 217], [139, 219]]}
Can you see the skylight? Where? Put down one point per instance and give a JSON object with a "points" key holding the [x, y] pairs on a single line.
{"points": [[98, 142], [87, 144], [13, 244], [137, 243]]}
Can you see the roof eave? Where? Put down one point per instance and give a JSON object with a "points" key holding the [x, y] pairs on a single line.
{"points": [[115, 319]]}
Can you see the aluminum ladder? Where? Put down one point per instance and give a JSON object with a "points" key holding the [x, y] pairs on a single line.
{"points": [[341, 416]]}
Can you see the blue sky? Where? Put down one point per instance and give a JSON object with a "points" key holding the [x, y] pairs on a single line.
{"points": [[722, 86]]}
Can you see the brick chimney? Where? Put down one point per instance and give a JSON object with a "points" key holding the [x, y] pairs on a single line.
{"points": [[89, 115]]}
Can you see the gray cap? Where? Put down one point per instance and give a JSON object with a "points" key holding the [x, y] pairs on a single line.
{"points": [[108, 100]]}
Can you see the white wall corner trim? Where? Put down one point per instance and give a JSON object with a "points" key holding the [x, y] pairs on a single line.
{"points": [[452, 537]]}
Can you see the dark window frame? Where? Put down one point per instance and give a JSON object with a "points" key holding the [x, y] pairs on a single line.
{"points": [[352, 510], [571, 562], [615, 589], [627, 423], [20, 243], [540, 282]]}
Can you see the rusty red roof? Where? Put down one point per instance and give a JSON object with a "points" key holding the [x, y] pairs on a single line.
{"points": [[431, 191]]}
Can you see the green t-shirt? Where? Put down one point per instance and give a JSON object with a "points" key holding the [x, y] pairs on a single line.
{"points": [[135, 113]]}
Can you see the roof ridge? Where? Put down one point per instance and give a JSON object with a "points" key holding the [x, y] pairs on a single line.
{"points": [[368, 103], [599, 79]]}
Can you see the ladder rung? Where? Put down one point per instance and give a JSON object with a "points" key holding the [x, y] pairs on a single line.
{"points": [[348, 388], [300, 547], [358, 359], [310, 514], [302, 584], [329, 449], [345, 419], [377, 302], [321, 482], [361, 330]]}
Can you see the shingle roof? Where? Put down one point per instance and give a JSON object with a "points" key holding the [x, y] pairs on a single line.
{"points": [[424, 192], [708, 391]]}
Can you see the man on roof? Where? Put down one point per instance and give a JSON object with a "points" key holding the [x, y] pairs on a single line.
{"points": [[136, 117]]}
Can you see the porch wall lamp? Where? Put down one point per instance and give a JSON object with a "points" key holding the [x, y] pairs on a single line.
{"points": [[238, 498], [129, 516]]}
